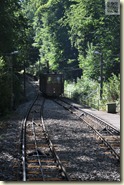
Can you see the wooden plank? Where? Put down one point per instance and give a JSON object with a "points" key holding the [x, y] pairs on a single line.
{"points": [[32, 146], [116, 138], [43, 166], [45, 160], [46, 179], [42, 160], [45, 172]]}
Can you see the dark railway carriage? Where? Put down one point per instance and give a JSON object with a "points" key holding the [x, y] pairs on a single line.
{"points": [[51, 85]]}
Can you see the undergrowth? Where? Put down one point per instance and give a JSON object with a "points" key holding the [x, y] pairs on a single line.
{"points": [[88, 91]]}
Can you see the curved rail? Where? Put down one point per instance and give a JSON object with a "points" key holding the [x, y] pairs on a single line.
{"points": [[34, 130], [24, 139]]}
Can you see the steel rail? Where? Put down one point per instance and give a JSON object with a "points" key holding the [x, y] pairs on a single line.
{"points": [[51, 145], [99, 120], [24, 138], [36, 148], [105, 142], [92, 115]]}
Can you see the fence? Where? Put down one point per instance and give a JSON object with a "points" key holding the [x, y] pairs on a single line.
{"points": [[87, 101]]}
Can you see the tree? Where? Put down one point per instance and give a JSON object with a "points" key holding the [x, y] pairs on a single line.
{"points": [[12, 38], [89, 24], [51, 36]]}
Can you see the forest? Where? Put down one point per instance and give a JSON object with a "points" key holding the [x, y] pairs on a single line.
{"points": [[74, 37]]}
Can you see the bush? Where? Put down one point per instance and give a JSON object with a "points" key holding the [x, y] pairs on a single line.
{"points": [[87, 91], [5, 95], [111, 90], [82, 89], [6, 88]]}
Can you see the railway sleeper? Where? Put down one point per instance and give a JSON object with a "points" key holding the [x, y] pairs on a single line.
{"points": [[113, 138], [46, 179], [32, 146], [45, 172], [43, 166]]}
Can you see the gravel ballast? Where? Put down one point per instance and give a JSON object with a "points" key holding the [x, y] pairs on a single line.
{"points": [[75, 143], [77, 146], [10, 135]]}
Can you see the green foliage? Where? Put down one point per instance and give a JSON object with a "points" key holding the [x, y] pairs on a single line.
{"points": [[88, 24], [2, 64], [66, 31], [5, 88], [51, 36], [82, 89], [12, 25], [59, 35], [111, 91], [90, 63], [4, 93], [87, 91], [12, 38]]}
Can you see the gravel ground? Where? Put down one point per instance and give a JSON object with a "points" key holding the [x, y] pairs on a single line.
{"points": [[78, 147], [10, 130], [75, 144]]}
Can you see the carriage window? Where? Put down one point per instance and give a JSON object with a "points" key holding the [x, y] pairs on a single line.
{"points": [[54, 79], [58, 79], [49, 79]]}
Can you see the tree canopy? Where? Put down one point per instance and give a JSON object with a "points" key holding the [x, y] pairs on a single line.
{"points": [[64, 31], [59, 35]]}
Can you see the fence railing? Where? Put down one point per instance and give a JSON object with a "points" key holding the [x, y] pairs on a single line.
{"points": [[87, 101], [91, 101]]}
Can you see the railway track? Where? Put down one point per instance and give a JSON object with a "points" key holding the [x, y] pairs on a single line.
{"points": [[39, 159], [109, 136]]}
